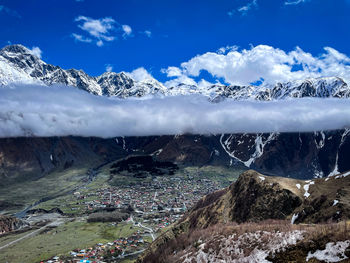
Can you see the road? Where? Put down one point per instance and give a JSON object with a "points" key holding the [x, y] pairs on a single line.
{"points": [[149, 230], [133, 253]]}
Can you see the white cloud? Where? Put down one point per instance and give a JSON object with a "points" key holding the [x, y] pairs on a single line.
{"points": [[243, 10], [147, 33], [127, 30], [295, 2], [140, 74], [80, 38], [9, 11], [243, 67], [99, 29], [29, 110], [172, 72], [36, 51], [246, 8], [109, 68], [223, 50], [230, 13], [182, 79], [99, 43]]}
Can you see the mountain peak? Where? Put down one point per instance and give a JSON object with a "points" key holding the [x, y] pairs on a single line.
{"points": [[16, 48]]}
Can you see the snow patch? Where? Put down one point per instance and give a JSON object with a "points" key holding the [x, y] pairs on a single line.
{"points": [[334, 252], [231, 248], [342, 175], [262, 178], [298, 186], [307, 187], [294, 217], [335, 202]]}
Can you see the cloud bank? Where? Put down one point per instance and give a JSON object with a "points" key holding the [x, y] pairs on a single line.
{"points": [[263, 64], [58, 111]]}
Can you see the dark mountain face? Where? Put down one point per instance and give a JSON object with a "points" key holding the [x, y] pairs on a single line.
{"points": [[298, 155], [31, 158]]}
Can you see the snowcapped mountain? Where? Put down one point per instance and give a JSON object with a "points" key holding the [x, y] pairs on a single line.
{"points": [[18, 64]]}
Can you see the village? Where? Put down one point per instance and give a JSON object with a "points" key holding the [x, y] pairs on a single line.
{"points": [[157, 203], [106, 252], [154, 205]]}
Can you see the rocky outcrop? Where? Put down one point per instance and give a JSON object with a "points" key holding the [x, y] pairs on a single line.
{"points": [[253, 199], [250, 198], [9, 223]]}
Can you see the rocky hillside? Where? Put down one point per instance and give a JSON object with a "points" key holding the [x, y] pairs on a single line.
{"points": [[9, 223], [256, 198], [31, 158]]}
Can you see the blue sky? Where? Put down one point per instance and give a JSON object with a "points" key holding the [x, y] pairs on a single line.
{"points": [[156, 34]]}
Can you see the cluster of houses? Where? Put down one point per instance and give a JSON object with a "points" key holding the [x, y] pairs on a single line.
{"points": [[156, 204], [114, 250], [159, 202]]}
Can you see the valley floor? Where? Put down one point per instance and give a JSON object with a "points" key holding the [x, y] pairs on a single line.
{"points": [[155, 202]]}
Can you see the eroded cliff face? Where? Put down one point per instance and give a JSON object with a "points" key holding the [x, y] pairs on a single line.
{"points": [[9, 223]]}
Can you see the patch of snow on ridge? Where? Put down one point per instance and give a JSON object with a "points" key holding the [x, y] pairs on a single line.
{"points": [[334, 252], [259, 147], [231, 249], [298, 186], [342, 175], [294, 217], [262, 178], [306, 188], [335, 202]]}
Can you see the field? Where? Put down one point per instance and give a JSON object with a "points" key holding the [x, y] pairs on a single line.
{"points": [[50, 186]]}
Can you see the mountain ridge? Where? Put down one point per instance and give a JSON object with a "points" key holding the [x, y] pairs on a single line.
{"points": [[19, 64]]}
